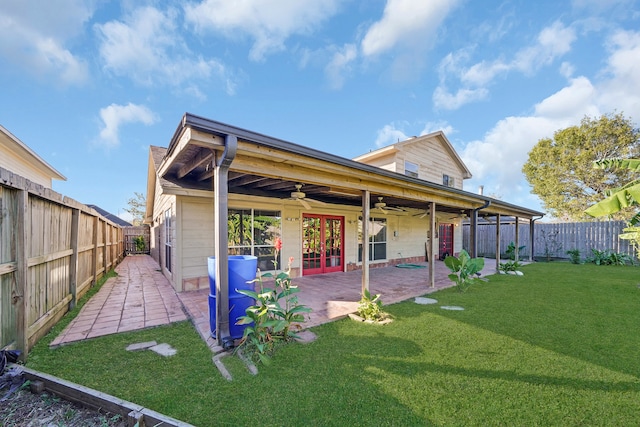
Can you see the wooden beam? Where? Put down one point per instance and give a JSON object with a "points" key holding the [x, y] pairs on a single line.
{"points": [[21, 273], [432, 241], [203, 156], [498, 220], [366, 202]]}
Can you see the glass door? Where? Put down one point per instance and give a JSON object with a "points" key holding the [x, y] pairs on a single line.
{"points": [[322, 244], [446, 240]]}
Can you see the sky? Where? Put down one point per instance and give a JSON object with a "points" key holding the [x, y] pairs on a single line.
{"points": [[89, 85]]}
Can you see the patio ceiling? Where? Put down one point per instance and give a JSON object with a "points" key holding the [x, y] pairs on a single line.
{"points": [[264, 166]]}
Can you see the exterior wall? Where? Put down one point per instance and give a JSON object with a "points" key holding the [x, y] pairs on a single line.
{"points": [[433, 161], [195, 242], [10, 160], [388, 162], [161, 204]]}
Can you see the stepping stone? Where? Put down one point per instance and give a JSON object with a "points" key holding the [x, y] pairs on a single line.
{"points": [[452, 307], [306, 337], [425, 301], [164, 350], [141, 346]]}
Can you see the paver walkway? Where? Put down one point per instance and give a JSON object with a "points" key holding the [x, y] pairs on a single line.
{"points": [[141, 297], [138, 297]]}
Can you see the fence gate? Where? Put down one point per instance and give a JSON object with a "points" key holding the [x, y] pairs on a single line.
{"points": [[136, 239]]}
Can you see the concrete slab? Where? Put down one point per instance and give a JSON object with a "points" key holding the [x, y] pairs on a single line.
{"points": [[164, 349], [141, 346]]}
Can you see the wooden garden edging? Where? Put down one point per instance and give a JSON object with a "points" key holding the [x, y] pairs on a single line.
{"points": [[97, 400], [52, 249]]}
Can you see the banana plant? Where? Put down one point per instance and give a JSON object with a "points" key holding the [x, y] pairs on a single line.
{"points": [[620, 198]]}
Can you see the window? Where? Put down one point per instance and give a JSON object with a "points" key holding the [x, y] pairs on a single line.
{"points": [[449, 181], [410, 169], [253, 232], [377, 239], [167, 239]]}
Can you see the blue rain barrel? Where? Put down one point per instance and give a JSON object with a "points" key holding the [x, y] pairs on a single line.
{"points": [[242, 269]]}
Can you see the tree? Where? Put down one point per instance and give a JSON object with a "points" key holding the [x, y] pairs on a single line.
{"points": [[558, 169], [137, 208]]}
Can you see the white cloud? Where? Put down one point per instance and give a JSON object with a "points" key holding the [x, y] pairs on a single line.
{"points": [[37, 43], [406, 23], [552, 42], [147, 47], [431, 127], [114, 116], [621, 91], [389, 134], [341, 65], [269, 22]]}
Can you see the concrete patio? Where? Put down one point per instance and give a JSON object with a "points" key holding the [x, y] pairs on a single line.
{"points": [[141, 297]]}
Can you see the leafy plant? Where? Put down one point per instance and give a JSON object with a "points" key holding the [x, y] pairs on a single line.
{"points": [[275, 315], [510, 252], [371, 308], [574, 256], [607, 257], [510, 266], [550, 242], [140, 243], [465, 270]]}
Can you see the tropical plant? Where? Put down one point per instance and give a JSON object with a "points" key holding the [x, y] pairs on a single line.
{"points": [[275, 316], [627, 196], [465, 270], [370, 308], [556, 168], [510, 252], [140, 243], [574, 256], [607, 257], [510, 266]]}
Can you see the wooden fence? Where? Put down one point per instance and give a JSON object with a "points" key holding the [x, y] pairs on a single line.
{"points": [[52, 249], [553, 240], [137, 239]]}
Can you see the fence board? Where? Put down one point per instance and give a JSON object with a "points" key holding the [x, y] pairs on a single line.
{"points": [[49, 257], [553, 240], [130, 236]]}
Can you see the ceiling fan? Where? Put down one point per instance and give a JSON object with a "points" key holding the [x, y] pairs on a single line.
{"points": [[302, 197], [382, 206]]}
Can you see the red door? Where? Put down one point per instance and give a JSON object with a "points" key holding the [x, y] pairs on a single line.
{"points": [[446, 240], [322, 243]]}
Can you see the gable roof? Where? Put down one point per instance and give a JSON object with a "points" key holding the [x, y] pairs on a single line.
{"points": [[21, 150], [416, 140], [111, 217]]}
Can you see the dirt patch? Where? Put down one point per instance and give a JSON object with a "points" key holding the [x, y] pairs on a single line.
{"points": [[26, 409]]}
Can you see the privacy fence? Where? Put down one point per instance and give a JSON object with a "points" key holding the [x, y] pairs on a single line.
{"points": [[52, 249], [136, 239], [553, 240]]}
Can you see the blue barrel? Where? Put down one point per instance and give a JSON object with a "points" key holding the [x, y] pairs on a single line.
{"points": [[242, 269]]}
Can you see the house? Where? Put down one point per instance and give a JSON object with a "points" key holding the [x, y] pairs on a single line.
{"points": [[17, 157], [111, 217], [314, 201]]}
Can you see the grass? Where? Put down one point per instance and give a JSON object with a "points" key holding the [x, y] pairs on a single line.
{"points": [[557, 346]]}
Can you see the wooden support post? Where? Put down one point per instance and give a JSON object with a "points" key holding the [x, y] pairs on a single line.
{"points": [[432, 240], [73, 260], [105, 264], [94, 261], [21, 273], [517, 239], [366, 200], [532, 226], [498, 220]]}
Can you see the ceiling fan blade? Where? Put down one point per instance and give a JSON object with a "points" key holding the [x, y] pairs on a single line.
{"points": [[391, 208], [304, 203], [320, 202]]}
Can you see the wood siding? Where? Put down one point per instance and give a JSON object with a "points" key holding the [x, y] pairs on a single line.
{"points": [[51, 250]]}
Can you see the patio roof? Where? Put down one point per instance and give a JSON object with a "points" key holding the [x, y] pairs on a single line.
{"points": [[267, 166]]}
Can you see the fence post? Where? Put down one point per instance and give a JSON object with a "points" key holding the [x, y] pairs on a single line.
{"points": [[73, 262], [21, 274], [94, 262]]}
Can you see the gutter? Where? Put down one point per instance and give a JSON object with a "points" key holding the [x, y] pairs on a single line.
{"points": [[474, 228]]}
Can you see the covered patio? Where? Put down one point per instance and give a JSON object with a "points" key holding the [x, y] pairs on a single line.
{"points": [[139, 288]]}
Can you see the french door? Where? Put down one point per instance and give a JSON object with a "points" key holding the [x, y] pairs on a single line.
{"points": [[322, 244], [446, 240]]}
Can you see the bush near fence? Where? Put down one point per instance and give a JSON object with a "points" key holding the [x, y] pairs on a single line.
{"points": [[553, 240], [52, 249]]}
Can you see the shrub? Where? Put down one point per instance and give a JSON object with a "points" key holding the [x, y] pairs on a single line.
{"points": [[465, 270], [574, 256]]}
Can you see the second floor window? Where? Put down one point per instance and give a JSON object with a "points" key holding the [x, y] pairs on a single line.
{"points": [[410, 169]]}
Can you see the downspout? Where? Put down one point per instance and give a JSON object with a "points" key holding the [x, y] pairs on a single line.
{"points": [[221, 244], [531, 235], [473, 232]]}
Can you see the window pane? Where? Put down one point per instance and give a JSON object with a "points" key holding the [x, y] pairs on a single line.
{"points": [[266, 227], [410, 169], [239, 224], [266, 257]]}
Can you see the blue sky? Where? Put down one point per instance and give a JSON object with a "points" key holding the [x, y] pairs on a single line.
{"points": [[90, 84]]}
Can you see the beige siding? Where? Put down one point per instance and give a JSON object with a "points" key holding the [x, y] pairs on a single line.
{"points": [[433, 160], [18, 165], [196, 237], [387, 162]]}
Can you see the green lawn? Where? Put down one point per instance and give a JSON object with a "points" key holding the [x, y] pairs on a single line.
{"points": [[558, 346]]}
